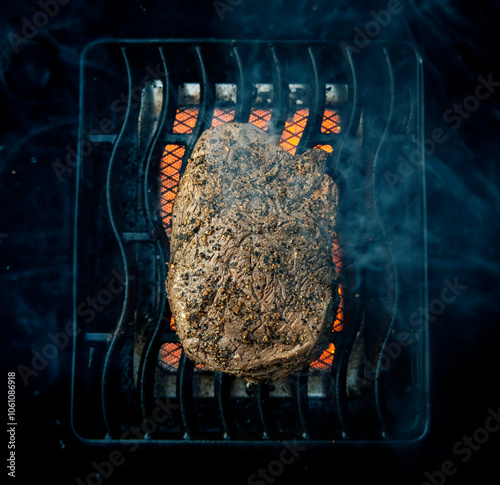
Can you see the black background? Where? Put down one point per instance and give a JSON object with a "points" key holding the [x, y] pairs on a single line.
{"points": [[458, 42]]}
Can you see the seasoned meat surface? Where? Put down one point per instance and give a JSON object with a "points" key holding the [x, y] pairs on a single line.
{"points": [[251, 280]]}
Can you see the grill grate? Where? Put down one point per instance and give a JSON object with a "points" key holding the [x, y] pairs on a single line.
{"points": [[364, 109], [171, 162], [294, 129], [185, 120]]}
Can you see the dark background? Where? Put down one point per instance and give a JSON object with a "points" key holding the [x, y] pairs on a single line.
{"points": [[458, 42]]}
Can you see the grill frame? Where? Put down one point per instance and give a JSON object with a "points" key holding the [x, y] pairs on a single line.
{"points": [[157, 239]]}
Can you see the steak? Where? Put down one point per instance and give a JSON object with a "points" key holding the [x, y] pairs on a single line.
{"points": [[252, 283]]}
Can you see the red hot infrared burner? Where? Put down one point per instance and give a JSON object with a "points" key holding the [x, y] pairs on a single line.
{"points": [[143, 107]]}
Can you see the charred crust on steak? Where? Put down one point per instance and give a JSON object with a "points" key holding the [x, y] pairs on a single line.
{"points": [[251, 282]]}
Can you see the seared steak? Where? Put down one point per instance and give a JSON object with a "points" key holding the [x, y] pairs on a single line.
{"points": [[251, 281]]}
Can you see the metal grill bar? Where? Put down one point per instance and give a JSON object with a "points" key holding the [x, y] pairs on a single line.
{"points": [[339, 369], [317, 106], [280, 104], [206, 104], [261, 399], [222, 383], [302, 398], [151, 193], [389, 101], [118, 336], [185, 393], [244, 98]]}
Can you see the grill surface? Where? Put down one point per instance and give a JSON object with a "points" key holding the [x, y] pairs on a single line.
{"points": [[144, 105]]}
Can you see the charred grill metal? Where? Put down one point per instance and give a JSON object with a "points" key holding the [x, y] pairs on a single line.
{"points": [[127, 355]]}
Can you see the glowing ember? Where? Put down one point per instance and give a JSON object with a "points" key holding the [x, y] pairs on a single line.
{"points": [[326, 358], [169, 180], [293, 131], [221, 116], [331, 122], [185, 120], [326, 148], [260, 118], [170, 353]]}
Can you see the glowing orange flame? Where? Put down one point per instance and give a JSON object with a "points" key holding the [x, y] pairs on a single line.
{"points": [[331, 122], [185, 120], [221, 116], [169, 180], [170, 354], [326, 148], [260, 118], [293, 131], [326, 358]]}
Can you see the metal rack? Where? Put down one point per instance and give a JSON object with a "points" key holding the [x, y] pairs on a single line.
{"points": [[132, 92]]}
